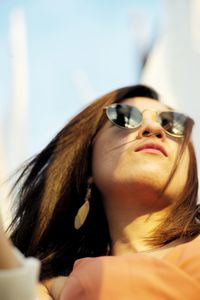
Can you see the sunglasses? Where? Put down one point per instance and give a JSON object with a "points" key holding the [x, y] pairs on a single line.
{"points": [[129, 117]]}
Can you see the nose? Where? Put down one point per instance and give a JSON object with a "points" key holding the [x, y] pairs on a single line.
{"points": [[150, 126]]}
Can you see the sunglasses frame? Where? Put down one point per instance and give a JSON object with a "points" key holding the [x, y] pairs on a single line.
{"points": [[141, 112]]}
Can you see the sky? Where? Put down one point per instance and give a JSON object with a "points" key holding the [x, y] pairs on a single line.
{"points": [[77, 50]]}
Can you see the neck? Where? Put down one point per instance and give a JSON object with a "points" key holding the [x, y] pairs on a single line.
{"points": [[129, 232]]}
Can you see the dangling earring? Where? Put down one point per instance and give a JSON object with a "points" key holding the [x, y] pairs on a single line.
{"points": [[83, 210]]}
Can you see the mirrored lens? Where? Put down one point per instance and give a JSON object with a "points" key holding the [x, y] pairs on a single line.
{"points": [[174, 123], [125, 116]]}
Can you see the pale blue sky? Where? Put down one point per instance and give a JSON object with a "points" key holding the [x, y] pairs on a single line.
{"points": [[71, 43]]}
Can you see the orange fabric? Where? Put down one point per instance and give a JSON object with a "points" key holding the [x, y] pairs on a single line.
{"points": [[137, 276]]}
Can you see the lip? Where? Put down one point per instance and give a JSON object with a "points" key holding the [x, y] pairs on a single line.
{"points": [[152, 148]]}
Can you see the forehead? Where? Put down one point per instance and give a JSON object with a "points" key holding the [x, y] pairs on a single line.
{"points": [[143, 103]]}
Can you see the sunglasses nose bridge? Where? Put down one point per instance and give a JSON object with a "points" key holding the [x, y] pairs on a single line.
{"points": [[151, 125], [149, 114]]}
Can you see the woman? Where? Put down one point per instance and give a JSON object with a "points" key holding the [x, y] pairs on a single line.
{"points": [[119, 179]]}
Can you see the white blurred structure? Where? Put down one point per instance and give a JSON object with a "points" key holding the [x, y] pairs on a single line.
{"points": [[20, 85], [17, 135], [4, 206], [173, 67]]}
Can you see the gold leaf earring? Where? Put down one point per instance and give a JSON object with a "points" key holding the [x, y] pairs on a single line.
{"points": [[83, 210]]}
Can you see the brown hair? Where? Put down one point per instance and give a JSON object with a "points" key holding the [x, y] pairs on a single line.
{"points": [[54, 187]]}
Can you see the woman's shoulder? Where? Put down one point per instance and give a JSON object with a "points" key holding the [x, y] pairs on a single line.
{"points": [[183, 250], [190, 248], [186, 257], [122, 277]]}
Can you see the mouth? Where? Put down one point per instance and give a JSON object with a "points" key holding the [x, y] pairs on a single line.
{"points": [[153, 148]]}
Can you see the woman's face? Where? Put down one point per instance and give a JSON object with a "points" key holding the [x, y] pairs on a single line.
{"points": [[126, 168]]}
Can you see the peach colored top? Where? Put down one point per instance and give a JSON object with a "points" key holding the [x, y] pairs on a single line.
{"points": [[137, 276]]}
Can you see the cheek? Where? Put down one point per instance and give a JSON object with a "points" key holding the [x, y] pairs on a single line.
{"points": [[179, 181], [105, 158], [183, 168], [108, 157]]}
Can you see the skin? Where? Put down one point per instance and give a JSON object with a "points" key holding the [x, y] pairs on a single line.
{"points": [[130, 181]]}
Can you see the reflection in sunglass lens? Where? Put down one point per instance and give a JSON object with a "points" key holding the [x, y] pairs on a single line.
{"points": [[173, 122], [124, 115]]}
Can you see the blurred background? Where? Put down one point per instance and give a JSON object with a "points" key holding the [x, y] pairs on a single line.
{"points": [[57, 56]]}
